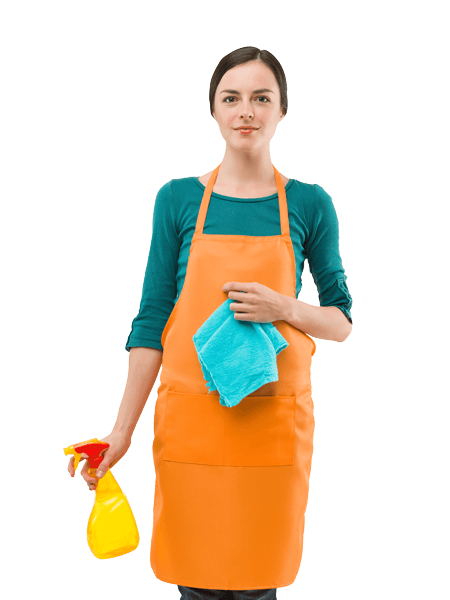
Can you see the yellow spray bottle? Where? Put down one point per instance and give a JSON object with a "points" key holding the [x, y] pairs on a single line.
{"points": [[112, 529]]}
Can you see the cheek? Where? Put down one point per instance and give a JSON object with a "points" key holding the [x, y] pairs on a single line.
{"points": [[225, 119]]}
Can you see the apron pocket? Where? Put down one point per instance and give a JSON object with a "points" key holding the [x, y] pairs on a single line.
{"points": [[259, 431]]}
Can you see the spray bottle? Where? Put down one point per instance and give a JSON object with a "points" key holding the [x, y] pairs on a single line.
{"points": [[112, 529]]}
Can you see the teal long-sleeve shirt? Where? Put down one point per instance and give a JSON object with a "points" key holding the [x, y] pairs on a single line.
{"points": [[314, 231]]}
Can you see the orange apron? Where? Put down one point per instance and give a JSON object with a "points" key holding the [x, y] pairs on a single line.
{"points": [[231, 483]]}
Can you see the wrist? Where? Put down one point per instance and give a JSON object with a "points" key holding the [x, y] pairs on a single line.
{"points": [[286, 308], [123, 431]]}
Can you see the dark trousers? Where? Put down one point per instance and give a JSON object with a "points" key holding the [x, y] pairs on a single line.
{"points": [[191, 593]]}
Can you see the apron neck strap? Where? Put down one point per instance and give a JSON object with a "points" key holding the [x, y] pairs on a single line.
{"points": [[284, 217]]}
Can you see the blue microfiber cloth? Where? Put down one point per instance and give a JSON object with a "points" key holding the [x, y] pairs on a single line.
{"points": [[237, 357]]}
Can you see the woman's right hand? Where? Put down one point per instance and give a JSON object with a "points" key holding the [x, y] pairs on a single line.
{"points": [[118, 446]]}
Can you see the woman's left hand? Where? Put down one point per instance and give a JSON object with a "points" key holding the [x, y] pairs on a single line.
{"points": [[260, 303]]}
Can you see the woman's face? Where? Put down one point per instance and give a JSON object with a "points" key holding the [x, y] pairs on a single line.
{"points": [[248, 95]]}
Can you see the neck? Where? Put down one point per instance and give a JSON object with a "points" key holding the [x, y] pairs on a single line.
{"points": [[245, 169]]}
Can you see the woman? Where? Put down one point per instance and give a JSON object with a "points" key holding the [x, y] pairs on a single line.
{"points": [[228, 517], [232, 483]]}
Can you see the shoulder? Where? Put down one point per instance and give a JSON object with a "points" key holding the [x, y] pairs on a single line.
{"points": [[321, 196], [313, 206], [175, 186], [205, 178], [284, 179], [310, 191]]}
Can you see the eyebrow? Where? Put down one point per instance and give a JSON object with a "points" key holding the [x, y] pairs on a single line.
{"points": [[254, 91]]}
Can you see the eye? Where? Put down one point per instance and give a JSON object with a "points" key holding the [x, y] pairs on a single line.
{"points": [[233, 97]]}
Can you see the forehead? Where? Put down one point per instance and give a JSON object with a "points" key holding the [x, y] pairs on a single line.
{"points": [[249, 78]]}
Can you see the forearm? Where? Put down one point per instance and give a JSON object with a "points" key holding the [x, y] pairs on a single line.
{"points": [[144, 365], [323, 322]]}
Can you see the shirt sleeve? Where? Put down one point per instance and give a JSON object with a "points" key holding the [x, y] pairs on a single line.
{"points": [[159, 287], [324, 260]]}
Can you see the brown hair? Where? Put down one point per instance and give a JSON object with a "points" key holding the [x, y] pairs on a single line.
{"points": [[244, 55]]}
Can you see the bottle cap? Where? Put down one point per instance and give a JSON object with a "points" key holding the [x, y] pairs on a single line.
{"points": [[92, 448]]}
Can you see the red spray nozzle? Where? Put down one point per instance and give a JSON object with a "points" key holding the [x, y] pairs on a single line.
{"points": [[92, 449]]}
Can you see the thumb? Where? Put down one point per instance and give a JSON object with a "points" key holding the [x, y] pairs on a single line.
{"points": [[102, 468]]}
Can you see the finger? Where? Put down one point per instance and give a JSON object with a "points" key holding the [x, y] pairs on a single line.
{"points": [[84, 472], [92, 485], [70, 466], [91, 482]]}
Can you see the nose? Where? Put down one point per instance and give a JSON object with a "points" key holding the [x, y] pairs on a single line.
{"points": [[246, 111]]}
